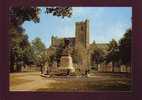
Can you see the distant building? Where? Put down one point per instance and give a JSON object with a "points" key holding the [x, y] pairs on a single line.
{"points": [[82, 33], [81, 36], [70, 43]]}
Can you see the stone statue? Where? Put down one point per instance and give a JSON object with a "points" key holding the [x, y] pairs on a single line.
{"points": [[66, 63]]}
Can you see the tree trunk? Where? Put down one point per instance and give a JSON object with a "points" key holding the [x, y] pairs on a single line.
{"points": [[11, 67], [113, 65], [97, 66], [41, 69], [18, 68]]}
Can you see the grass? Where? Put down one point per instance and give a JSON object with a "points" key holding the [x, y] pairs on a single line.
{"points": [[89, 85], [99, 82], [18, 81]]}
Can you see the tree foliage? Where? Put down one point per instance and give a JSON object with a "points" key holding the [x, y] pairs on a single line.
{"points": [[113, 53], [80, 56], [97, 54], [19, 45], [18, 15], [39, 48], [40, 53], [120, 53], [22, 52], [60, 11], [125, 48]]}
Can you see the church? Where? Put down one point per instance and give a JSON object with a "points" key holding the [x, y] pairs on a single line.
{"points": [[81, 36], [74, 51]]}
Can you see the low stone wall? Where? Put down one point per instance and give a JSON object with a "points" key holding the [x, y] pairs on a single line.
{"points": [[125, 69], [104, 68], [108, 68], [30, 69]]}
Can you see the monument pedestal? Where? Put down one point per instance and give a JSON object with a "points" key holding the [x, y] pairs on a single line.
{"points": [[66, 64]]}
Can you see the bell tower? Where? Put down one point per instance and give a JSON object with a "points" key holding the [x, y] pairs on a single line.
{"points": [[82, 33]]}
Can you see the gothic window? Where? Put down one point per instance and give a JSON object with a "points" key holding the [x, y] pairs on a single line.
{"points": [[81, 28]]}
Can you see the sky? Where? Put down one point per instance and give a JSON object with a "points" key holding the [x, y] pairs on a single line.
{"points": [[106, 23]]}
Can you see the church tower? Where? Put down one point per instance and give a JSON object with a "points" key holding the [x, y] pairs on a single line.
{"points": [[82, 33]]}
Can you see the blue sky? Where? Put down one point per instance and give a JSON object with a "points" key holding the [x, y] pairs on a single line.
{"points": [[105, 23]]}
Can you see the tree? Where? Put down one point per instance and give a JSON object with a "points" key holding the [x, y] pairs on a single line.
{"points": [[60, 11], [80, 57], [125, 48], [18, 15], [18, 44], [39, 52], [51, 54], [113, 54], [93, 46], [20, 49], [41, 55], [28, 57], [120, 53], [97, 54]]}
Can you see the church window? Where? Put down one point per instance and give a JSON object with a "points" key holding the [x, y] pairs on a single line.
{"points": [[81, 28]]}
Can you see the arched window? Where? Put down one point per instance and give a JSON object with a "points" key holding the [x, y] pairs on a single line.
{"points": [[81, 28]]}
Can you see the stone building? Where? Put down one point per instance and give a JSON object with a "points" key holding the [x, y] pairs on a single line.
{"points": [[82, 33], [81, 39], [81, 36], [70, 43]]}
